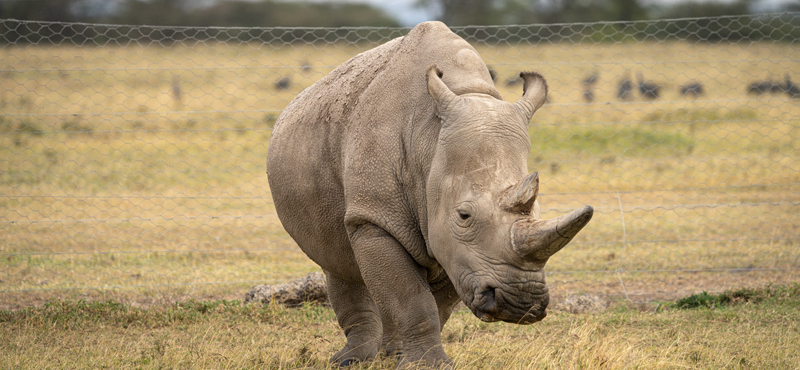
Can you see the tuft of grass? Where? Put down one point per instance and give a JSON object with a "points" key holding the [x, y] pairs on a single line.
{"points": [[74, 125], [29, 128]]}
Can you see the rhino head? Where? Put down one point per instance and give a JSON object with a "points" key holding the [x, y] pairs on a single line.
{"points": [[484, 224]]}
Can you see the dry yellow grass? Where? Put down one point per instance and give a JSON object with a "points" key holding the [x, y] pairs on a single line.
{"points": [[113, 182], [228, 335]]}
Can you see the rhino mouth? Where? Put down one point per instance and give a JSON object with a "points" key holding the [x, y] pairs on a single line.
{"points": [[495, 304]]}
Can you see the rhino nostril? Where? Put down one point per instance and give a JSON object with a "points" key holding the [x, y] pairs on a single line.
{"points": [[488, 301]]}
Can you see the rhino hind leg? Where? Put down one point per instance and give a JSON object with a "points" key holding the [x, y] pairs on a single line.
{"points": [[359, 317]]}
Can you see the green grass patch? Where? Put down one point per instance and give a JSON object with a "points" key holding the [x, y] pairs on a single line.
{"points": [[701, 115], [637, 140], [728, 298], [75, 314]]}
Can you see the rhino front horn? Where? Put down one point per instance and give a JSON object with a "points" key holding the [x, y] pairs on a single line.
{"points": [[537, 240]]}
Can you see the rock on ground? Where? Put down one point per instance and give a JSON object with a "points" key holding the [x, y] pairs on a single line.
{"points": [[292, 294]]}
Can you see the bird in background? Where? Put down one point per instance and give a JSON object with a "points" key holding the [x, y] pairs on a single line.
{"points": [[647, 89], [625, 87]]}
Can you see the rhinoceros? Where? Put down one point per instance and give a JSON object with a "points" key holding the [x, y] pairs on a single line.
{"points": [[403, 175]]}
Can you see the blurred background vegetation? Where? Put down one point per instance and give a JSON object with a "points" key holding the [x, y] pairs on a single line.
{"points": [[344, 13], [166, 21]]}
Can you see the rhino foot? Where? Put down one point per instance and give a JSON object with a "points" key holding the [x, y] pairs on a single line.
{"points": [[347, 362], [348, 356]]}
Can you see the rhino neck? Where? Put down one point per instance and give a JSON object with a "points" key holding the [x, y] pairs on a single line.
{"points": [[419, 139]]}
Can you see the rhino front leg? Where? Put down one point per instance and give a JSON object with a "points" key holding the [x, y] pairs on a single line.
{"points": [[446, 299], [359, 317], [396, 283], [391, 344]]}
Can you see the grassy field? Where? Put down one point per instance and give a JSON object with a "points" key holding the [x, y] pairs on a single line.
{"points": [[742, 329], [137, 173]]}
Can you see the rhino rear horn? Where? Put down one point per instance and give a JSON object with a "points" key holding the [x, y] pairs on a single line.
{"points": [[441, 94], [537, 240], [520, 197], [534, 94]]}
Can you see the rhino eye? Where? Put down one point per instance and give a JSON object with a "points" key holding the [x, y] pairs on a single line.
{"points": [[464, 214]]}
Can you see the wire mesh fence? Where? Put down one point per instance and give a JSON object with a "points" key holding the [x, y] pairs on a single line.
{"points": [[134, 156]]}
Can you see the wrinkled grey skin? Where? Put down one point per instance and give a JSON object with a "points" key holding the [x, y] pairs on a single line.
{"points": [[404, 176]]}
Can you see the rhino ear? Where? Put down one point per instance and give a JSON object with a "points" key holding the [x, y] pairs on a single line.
{"points": [[440, 93], [521, 197], [534, 94]]}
